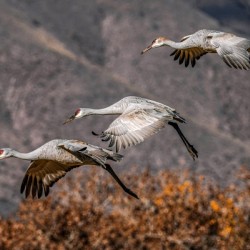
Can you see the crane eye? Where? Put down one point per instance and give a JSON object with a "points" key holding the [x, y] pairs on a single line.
{"points": [[77, 112]]}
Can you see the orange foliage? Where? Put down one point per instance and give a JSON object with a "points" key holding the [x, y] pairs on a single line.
{"points": [[91, 212]]}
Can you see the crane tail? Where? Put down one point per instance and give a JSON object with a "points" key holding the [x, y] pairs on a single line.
{"points": [[115, 157]]}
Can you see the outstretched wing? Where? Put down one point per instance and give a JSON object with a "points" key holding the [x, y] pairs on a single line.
{"points": [[234, 56], [189, 55], [41, 175], [132, 128]]}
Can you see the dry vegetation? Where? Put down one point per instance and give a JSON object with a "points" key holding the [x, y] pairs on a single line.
{"points": [[176, 211]]}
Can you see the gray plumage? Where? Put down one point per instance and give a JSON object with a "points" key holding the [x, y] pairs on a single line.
{"points": [[234, 50], [54, 159], [139, 118]]}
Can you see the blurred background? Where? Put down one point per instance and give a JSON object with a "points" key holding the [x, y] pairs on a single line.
{"points": [[56, 56]]}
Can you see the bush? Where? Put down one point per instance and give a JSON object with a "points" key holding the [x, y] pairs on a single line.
{"points": [[176, 211]]}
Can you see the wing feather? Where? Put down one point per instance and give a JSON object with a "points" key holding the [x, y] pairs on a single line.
{"points": [[41, 175], [234, 56], [188, 55], [186, 58], [23, 185], [34, 187], [40, 188], [177, 54], [132, 127], [182, 56], [29, 182]]}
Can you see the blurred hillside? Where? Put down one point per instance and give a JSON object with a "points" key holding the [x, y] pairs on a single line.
{"points": [[57, 56]]}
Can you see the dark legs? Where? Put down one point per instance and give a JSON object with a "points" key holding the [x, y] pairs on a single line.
{"points": [[192, 151], [111, 171]]}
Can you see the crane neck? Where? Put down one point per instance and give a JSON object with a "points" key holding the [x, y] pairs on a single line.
{"points": [[111, 110], [25, 156], [176, 45]]}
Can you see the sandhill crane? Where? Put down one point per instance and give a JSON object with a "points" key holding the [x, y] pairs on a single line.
{"points": [[139, 118], [234, 50], [54, 159]]}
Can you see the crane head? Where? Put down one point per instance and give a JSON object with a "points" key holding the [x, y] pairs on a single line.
{"points": [[79, 113], [158, 42], [5, 153]]}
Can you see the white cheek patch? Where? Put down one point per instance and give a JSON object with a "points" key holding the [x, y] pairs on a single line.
{"points": [[157, 44], [78, 112], [78, 115]]}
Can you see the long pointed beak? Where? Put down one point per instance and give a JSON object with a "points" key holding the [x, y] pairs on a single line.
{"points": [[70, 119], [146, 49]]}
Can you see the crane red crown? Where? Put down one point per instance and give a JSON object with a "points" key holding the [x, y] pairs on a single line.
{"points": [[77, 111]]}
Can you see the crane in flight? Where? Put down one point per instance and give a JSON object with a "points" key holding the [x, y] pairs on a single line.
{"points": [[54, 159], [234, 50], [139, 118]]}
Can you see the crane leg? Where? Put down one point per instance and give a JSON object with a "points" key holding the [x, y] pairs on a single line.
{"points": [[112, 172], [190, 148]]}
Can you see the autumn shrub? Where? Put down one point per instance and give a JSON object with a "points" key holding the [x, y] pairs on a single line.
{"points": [[176, 210]]}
